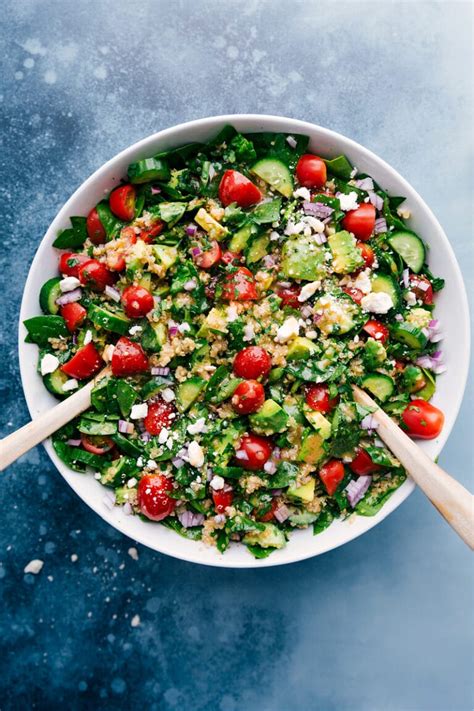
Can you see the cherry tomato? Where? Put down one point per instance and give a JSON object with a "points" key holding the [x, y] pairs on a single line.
{"points": [[355, 294], [422, 288], [252, 362], [289, 296], [311, 171], [367, 253], [122, 202], [331, 474], [128, 358], [239, 286], [137, 301], [85, 363], [73, 314], [210, 257], [148, 234], [229, 257], [268, 516], [160, 414], [317, 397], [362, 464], [235, 187], [223, 498], [248, 397], [69, 263], [253, 452], [377, 330], [95, 228], [97, 444], [95, 275], [153, 498], [360, 222], [422, 420]]}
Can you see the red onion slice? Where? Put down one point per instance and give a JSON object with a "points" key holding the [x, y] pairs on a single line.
{"points": [[160, 371], [69, 297], [188, 519], [282, 513], [73, 442], [356, 489], [112, 293]]}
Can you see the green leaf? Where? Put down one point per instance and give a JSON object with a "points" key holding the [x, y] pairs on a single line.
{"points": [[41, 328], [194, 533], [372, 503], [72, 237], [126, 397], [285, 475], [340, 166], [324, 520], [267, 212], [112, 225], [259, 552]]}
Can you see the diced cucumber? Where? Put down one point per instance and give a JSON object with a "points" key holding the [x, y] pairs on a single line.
{"points": [[40, 328], [302, 518], [148, 169], [115, 322], [270, 537], [117, 473], [387, 284], [50, 291], [54, 382], [382, 386], [94, 427], [152, 387], [257, 249], [189, 391], [275, 173], [239, 240], [154, 336], [410, 248], [409, 334]]}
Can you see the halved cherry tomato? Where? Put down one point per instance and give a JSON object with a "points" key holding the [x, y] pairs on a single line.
{"points": [[96, 444], [210, 257], [95, 275], [235, 187], [248, 397], [230, 257], [422, 288], [69, 263], [153, 498], [239, 286], [422, 420], [360, 222], [362, 464], [252, 362], [311, 171], [268, 516], [122, 202], [95, 229], [128, 358], [367, 253], [148, 234], [73, 314], [253, 452], [137, 301], [355, 294], [223, 498], [377, 330], [317, 397], [160, 414], [331, 474], [289, 296], [85, 363]]}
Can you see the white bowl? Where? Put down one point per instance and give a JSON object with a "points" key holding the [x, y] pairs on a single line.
{"points": [[451, 308]]}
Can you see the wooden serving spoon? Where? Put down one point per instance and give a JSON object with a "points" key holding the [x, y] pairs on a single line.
{"points": [[452, 500]]}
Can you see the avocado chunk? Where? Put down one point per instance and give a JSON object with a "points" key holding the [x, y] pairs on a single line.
{"points": [[302, 259], [304, 493], [215, 321], [189, 391], [346, 257], [300, 348], [337, 315], [271, 418], [270, 537], [258, 249], [166, 255], [214, 229], [319, 422], [312, 450]]}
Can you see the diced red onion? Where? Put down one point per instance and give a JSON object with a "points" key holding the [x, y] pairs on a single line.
{"points": [[281, 513], [191, 231], [145, 437], [172, 331], [284, 284], [291, 141], [433, 362], [356, 489], [306, 311], [398, 317], [190, 285], [155, 191], [269, 260], [196, 251], [317, 209], [376, 200], [188, 519], [364, 184], [113, 293], [425, 332], [270, 467], [434, 324], [437, 355], [127, 509], [424, 361], [277, 492], [380, 226], [423, 286], [276, 454], [406, 278], [438, 369], [435, 337], [160, 371], [126, 427], [69, 297], [177, 462], [73, 442], [242, 455], [369, 422]]}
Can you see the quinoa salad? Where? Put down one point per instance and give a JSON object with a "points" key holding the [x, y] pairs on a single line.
{"points": [[236, 290]]}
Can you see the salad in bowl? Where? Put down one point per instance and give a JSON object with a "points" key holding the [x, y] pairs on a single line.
{"points": [[237, 289]]}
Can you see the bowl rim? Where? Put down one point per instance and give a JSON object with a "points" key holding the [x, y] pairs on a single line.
{"points": [[140, 147]]}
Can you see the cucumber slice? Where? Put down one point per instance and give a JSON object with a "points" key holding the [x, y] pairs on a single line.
{"points": [[240, 239], [54, 382], [117, 473], [257, 249], [387, 284], [189, 391], [382, 386], [50, 291], [276, 174], [409, 334], [117, 323], [410, 248], [148, 169]]}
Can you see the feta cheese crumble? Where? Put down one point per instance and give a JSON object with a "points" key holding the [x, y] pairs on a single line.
{"points": [[302, 193], [377, 302], [363, 282], [49, 363], [195, 455], [348, 202], [289, 329], [168, 395], [217, 482], [197, 427], [69, 283], [69, 385], [308, 290], [139, 411]]}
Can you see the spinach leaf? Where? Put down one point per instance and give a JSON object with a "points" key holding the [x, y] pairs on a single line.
{"points": [[76, 458], [271, 145], [112, 225], [184, 272], [134, 448], [345, 435], [309, 371], [126, 397], [194, 533], [267, 212], [372, 503], [436, 282], [240, 150], [259, 552], [340, 167], [41, 328], [324, 520], [222, 539], [379, 455], [72, 237], [285, 475]]}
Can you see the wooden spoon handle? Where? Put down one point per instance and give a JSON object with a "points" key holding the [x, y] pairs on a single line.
{"points": [[452, 500], [34, 432]]}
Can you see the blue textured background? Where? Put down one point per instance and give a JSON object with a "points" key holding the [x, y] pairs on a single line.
{"points": [[385, 622]]}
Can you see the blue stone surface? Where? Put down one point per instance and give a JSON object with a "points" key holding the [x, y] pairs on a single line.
{"points": [[382, 623]]}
